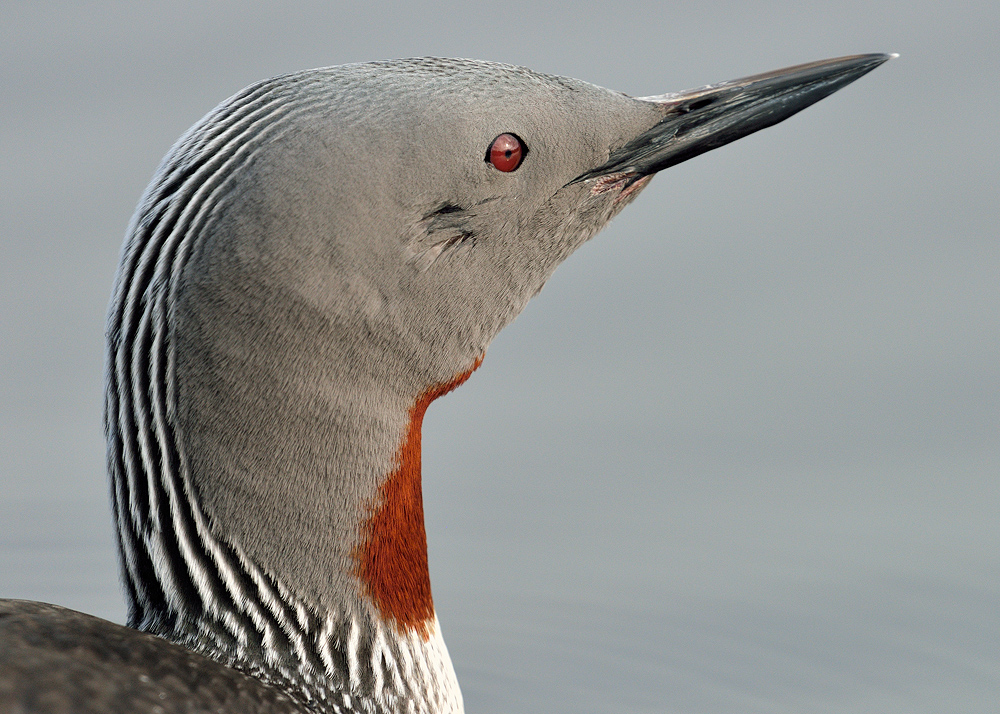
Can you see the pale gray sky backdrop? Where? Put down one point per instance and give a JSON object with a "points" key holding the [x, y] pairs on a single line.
{"points": [[741, 454]]}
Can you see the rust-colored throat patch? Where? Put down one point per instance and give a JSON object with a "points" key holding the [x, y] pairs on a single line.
{"points": [[392, 556]]}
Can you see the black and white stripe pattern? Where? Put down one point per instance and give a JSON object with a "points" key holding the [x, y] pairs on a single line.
{"points": [[182, 582]]}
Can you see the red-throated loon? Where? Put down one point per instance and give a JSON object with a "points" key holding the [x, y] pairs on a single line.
{"points": [[313, 263]]}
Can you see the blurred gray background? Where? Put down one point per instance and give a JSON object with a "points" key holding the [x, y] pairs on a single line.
{"points": [[741, 454]]}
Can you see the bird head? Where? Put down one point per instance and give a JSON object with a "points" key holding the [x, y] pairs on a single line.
{"points": [[413, 207]]}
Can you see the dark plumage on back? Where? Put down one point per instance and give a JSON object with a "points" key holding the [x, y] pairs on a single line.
{"points": [[58, 661]]}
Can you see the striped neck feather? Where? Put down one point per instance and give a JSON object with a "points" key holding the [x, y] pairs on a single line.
{"points": [[184, 581]]}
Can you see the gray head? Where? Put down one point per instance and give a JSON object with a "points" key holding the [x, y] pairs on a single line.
{"points": [[314, 261], [374, 202]]}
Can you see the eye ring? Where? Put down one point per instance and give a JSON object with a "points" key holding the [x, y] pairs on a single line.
{"points": [[506, 152]]}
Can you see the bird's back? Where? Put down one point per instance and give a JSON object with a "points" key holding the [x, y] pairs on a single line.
{"points": [[56, 660]]}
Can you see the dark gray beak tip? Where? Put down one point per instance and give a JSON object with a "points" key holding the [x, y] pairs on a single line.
{"points": [[839, 69], [703, 119]]}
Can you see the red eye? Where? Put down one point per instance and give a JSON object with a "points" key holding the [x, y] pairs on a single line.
{"points": [[506, 152]]}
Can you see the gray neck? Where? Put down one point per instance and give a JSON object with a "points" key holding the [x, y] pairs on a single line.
{"points": [[249, 464]]}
